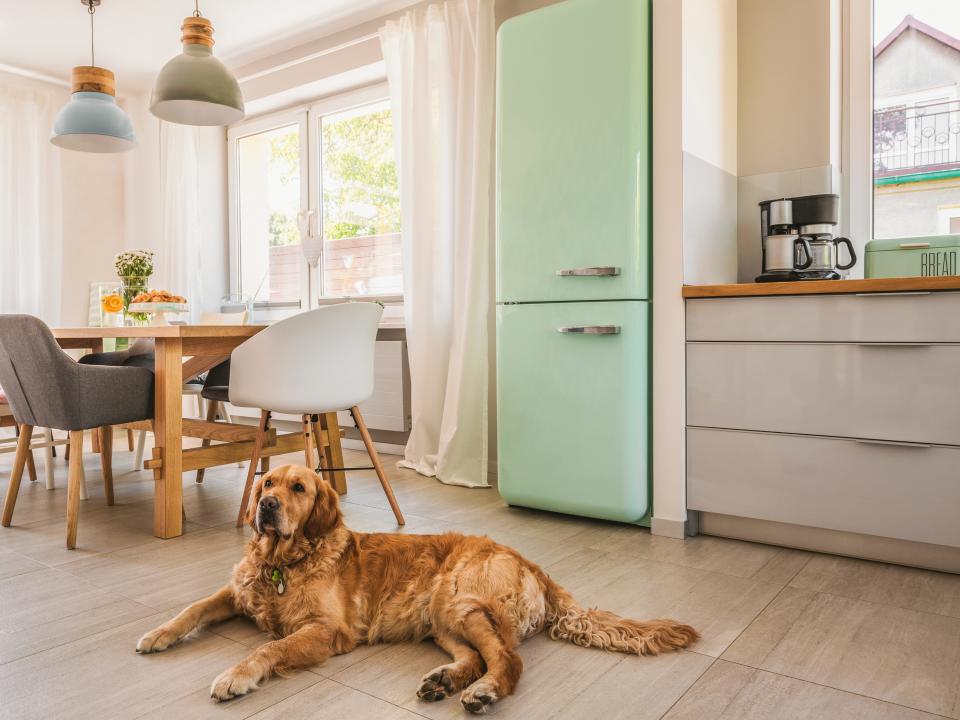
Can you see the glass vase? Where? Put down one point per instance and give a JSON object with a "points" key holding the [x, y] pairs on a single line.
{"points": [[131, 286]]}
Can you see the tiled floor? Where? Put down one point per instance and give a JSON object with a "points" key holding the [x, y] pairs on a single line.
{"points": [[786, 634]]}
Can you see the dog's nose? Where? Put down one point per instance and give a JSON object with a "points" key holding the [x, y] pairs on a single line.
{"points": [[269, 503]]}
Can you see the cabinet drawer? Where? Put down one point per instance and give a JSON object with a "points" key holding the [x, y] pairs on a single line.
{"points": [[878, 317], [573, 408], [910, 493], [885, 392]]}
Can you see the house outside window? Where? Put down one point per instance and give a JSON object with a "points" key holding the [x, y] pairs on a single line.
{"points": [[916, 125]]}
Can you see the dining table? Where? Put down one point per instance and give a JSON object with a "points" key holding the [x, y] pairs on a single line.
{"points": [[182, 352]]}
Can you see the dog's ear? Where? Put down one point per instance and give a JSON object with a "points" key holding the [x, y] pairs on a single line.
{"points": [[255, 493], [326, 514]]}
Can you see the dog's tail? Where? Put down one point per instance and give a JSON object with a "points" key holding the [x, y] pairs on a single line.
{"points": [[566, 620]]}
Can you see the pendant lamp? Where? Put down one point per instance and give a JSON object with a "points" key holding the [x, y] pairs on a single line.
{"points": [[92, 121], [195, 88]]}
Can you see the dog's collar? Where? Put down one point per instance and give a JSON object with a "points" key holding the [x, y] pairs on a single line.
{"points": [[278, 574]]}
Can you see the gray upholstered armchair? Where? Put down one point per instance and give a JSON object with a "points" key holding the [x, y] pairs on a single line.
{"points": [[47, 388]]}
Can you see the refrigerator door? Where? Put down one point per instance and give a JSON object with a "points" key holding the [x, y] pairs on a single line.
{"points": [[573, 407], [573, 158]]}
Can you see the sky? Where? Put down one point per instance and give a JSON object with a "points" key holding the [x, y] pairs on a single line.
{"points": [[941, 14]]}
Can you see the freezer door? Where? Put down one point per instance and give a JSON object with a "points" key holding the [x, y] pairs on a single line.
{"points": [[573, 157], [573, 407]]}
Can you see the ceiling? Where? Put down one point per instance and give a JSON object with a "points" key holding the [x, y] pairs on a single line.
{"points": [[134, 38]]}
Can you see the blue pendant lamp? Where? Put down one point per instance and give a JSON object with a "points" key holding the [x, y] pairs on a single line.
{"points": [[92, 121], [195, 88]]}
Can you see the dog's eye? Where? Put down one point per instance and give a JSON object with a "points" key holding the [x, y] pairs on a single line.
{"points": [[297, 487], [268, 483]]}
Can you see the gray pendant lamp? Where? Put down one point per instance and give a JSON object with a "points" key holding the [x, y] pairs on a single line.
{"points": [[195, 88], [92, 121]]}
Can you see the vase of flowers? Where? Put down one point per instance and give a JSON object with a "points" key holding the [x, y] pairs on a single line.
{"points": [[134, 267]]}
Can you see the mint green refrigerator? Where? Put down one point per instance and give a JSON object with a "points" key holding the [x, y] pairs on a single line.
{"points": [[573, 259]]}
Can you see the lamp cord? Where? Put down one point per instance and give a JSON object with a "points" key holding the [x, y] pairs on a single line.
{"points": [[91, 10], [196, 8]]}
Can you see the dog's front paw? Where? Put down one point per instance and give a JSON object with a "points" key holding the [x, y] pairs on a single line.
{"points": [[157, 640], [233, 683]]}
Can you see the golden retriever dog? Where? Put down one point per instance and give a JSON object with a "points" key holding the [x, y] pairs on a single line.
{"points": [[322, 589]]}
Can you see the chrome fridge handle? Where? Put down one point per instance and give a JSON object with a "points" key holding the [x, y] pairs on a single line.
{"points": [[590, 330], [596, 271]]}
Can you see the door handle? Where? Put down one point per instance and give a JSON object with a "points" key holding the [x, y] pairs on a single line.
{"points": [[900, 346], [595, 271], [590, 330], [894, 443]]}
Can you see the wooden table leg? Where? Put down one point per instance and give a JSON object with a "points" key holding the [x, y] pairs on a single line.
{"points": [[333, 452], [168, 438]]}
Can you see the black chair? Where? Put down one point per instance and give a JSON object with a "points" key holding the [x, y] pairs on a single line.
{"points": [[46, 388]]}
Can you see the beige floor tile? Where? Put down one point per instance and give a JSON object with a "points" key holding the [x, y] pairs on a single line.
{"points": [[889, 653], [638, 688], [327, 700], [718, 605], [46, 608], [783, 566], [733, 692], [100, 530], [136, 569], [904, 587], [100, 676], [13, 563], [731, 557]]}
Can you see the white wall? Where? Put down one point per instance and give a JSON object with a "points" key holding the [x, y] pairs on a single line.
{"points": [[789, 98]]}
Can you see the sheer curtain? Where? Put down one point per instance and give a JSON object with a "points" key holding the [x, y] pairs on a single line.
{"points": [[440, 67], [179, 257], [31, 225]]}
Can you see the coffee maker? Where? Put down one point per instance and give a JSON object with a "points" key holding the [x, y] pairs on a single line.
{"points": [[797, 241]]}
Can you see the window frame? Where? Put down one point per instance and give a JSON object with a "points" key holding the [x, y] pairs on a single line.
{"points": [[308, 117]]}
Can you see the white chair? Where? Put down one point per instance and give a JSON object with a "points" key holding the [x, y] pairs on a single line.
{"points": [[309, 364], [193, 389], [47, 443]]}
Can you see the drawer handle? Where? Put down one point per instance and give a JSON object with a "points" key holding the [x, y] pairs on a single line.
{"points": [[909, 246], [597, 271], [901, 346], [590, 330], [894, 443]]}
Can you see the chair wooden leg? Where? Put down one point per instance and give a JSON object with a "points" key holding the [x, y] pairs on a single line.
{"points": [[262, 427], [307, 442], [211, 417], [130, 442], [95, 440], [375, 458], [73, 486], [264, 465], [48, 457], [106, 461], [318, 436], [333, 452], [19, 460]]}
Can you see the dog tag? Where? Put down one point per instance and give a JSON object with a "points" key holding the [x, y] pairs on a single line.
{"points": [[280, 587]]}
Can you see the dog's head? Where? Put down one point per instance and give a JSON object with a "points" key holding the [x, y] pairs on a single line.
{"points": [[292, 500]]}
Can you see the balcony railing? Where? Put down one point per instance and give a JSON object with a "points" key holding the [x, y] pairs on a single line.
{"points": [[916, 139]]}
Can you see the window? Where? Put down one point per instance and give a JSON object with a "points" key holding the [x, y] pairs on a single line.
{"points": [[315, 205], [916, 118]]}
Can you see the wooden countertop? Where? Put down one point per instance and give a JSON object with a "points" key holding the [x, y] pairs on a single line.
{"points": [[824, 287]]}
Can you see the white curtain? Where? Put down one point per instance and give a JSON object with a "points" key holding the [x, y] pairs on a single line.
{"points": [[178, 262], [31, 225], [440, 67]]}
